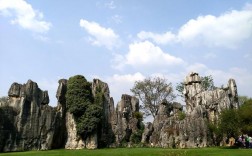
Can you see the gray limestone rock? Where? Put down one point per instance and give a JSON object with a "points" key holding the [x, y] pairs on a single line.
{"points": [[202, 107], [60, 135], [105, 135], [30, 117], [27, 122], [125, 123], [148, 130]]}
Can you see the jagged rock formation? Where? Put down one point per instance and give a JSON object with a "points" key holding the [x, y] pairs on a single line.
{"points": [[210, 101], [105, 134], [201, 107], [125, 121], [148, 130], [28, 120], [59, 138]]}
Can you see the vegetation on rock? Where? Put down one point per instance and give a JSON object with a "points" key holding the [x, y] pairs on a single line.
{"points": [[80, 103]]}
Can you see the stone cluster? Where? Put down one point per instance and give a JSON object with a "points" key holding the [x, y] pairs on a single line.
{"points": [[27, 122], [202, 107]]}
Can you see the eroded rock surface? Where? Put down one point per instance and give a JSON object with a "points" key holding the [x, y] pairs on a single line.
{"points": [[27, 122], [30, 120], [202, 107], [125, 121]]}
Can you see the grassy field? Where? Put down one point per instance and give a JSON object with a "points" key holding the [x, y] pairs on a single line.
{"points": [[137, 152]]}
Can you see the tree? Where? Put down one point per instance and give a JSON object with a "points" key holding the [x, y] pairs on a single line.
{"points": [[80, 102], [233, 122], [229, 122], [206, 82], [151, 92], [242, 99], [245, 113]]}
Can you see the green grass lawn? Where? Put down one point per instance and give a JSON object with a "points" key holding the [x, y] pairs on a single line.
{"points": [[138, 152]]}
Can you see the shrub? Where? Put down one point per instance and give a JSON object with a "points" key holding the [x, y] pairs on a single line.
{"points": [[181, 115], [136, 137], [138, 116]]}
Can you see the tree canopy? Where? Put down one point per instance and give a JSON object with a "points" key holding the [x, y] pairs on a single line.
{"points": [[151, 92]]}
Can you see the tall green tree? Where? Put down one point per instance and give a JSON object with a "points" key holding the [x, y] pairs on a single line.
{"points": [[151, 92]]}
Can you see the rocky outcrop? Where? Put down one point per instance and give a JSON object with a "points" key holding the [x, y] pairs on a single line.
{"points": [[209, 102], [74, 141], [148, 130], [105, 133], [30, 120], [27, 122], [59, 138], [202, 107], [125, 121]]}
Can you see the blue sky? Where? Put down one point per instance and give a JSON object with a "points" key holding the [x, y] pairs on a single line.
{"points": [[120, 42]]}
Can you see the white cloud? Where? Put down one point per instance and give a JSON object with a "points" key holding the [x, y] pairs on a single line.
{"points": [[24, 15], [157, 38], [100, 36], [146, 54], [227, 30], [121, 84]]}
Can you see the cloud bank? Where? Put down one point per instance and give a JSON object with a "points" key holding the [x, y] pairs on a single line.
{"points": [[22, 14], [226, 30]]}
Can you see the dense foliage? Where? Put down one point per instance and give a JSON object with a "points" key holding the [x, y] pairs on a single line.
{"points": [[78, 95], [230, 122], [80, 103], [233, 122], [245, 113], [151, 92]]}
